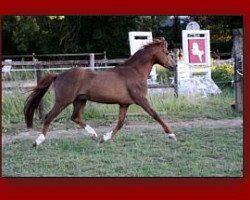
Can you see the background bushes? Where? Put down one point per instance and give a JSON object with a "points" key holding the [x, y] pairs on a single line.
{"points": [[222, 75]]}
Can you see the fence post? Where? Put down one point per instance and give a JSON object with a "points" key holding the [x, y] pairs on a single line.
{"points": [[38, 78], [237, 53], [92, 61], [105, 58], [176, 56]]}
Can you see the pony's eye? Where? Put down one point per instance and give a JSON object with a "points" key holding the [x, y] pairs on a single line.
{"points": [[167, 51]]}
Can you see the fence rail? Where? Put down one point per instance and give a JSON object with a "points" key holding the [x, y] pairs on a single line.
{"points": [[52, 55], [13, 62], [64, 62]]}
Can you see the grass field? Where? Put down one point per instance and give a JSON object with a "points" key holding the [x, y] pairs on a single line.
{"points": [[199, 152], [140, 151]]}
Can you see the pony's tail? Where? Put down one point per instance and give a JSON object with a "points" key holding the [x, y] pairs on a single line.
{"points": [[33, 100]]}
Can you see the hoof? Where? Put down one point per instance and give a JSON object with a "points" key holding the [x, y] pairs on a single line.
{"points": [[34, 144], [171, 136], [95, 138], [100, 139]]}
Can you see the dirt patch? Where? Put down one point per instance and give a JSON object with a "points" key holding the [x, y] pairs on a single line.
{"points": [[129, 127], [210, 123], [194, 123]]}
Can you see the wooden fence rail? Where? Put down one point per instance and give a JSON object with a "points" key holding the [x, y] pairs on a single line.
{"points": [[65, 62]]}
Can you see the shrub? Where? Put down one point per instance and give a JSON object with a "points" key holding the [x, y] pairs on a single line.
{"points": [[163, 75], [223, 75]]}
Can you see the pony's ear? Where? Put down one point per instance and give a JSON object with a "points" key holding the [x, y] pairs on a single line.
{"points": [[163, 42], [158, 39]]}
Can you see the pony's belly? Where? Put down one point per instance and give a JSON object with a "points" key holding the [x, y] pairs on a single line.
{"points": [[111, 95], [110, 99], [108, 87]]}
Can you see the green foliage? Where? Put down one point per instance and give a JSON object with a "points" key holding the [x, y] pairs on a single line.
{"points": [[70, 34], [78, 34], [223, 75], [220, 26], [163, 75], [12, 109], [173, 33]]}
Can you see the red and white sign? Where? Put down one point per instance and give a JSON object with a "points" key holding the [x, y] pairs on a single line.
{"points": [[196, 47], [197, 51]]}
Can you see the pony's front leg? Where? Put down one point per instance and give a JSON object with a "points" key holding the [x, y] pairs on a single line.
{"points": [[143, 102], [111, 135]]}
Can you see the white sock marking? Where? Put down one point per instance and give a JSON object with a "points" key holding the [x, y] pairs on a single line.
{"points": [[40, 139], [90, 130], [107, 136], [171, 136]]}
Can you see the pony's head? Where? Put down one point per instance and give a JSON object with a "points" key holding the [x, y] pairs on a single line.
{"points": [[163, 55]]}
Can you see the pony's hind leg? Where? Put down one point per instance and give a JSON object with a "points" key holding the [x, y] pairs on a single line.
{"points": [[54, 112], [76, 115], [79, 105], [111, 135]]}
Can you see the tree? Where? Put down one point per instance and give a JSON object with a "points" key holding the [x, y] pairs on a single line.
{"points": [[78, 34], [19, 34], [110, 33], [220, 26], [172, 28], [70, 34]]}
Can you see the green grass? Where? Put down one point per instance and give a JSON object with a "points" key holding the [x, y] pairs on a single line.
{"points": [[215, 107], [199, 152], [143, 152]]}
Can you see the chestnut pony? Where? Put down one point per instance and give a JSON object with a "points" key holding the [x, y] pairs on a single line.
{"points": [[125, 84]]}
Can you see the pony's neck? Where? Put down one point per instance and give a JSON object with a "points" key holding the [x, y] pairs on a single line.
{"points": [[143, 61]]}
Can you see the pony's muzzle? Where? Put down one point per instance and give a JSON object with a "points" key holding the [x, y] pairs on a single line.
{"points": [[172, 67]]}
